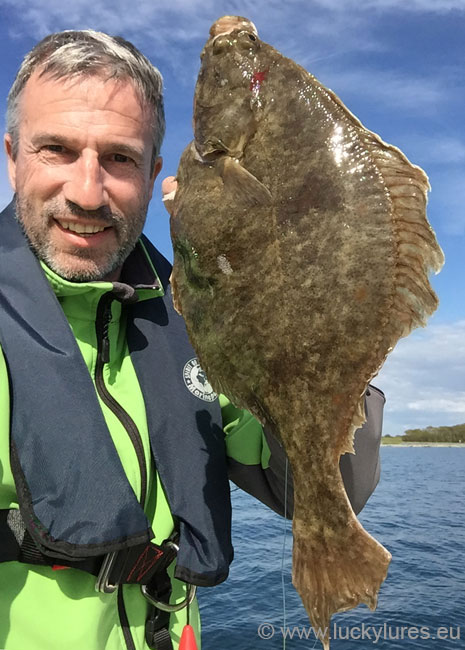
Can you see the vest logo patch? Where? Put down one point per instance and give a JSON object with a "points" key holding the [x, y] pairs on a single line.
{"points": [[197, 382]]}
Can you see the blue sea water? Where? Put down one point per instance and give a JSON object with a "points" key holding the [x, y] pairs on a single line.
{"points": [[417, 512]]}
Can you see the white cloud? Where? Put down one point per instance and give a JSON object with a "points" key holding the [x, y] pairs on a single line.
{"points": [[447, 404], [150, 17], [172, 34], [163, 26], [423, 379], [433, 6], [388, 89]]}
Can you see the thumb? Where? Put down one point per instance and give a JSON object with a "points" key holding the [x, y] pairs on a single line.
{"points": [[168, 188]]}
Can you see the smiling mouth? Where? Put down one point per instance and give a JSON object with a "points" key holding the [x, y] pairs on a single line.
{"points": [[85, 230]]}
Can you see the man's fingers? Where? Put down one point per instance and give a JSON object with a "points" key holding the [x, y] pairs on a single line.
{"points": [[168, 188], [169, 185]]}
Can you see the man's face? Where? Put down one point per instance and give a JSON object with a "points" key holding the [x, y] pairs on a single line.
{"points": [[82, 173]]}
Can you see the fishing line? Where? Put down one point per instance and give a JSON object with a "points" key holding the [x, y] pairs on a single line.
{"points": [[283, 586]]}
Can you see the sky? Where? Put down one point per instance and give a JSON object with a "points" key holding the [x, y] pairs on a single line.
{"points": [[398, 65]]}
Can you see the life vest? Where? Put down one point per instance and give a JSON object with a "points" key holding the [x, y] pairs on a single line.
{"points": [[63, 460]]}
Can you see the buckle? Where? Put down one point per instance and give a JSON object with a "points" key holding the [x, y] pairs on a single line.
{"points": [[135, 565], [167, 607], [102, 583]]}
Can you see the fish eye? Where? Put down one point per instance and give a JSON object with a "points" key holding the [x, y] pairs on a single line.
{"points": [[221, 43], [247, 41]]}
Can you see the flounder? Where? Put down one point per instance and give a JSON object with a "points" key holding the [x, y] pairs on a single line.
{"points": [[302, 252]]}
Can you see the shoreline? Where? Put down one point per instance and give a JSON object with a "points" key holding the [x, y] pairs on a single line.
{"points": [[422, 444]]}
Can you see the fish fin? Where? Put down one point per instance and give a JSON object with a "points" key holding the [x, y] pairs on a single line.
{"points": [[418, 251], [417, 247], [336, 564], [335, 572], [358, 420], [242, 184]]}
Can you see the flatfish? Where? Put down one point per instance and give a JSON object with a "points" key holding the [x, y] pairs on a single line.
{"points": [[302, 252]]}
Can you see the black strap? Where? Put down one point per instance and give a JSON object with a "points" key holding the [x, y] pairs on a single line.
{"points": [[141, 564], [157, 636], [17, 545]]}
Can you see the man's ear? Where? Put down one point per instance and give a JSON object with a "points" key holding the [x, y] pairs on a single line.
{"points": [[11, 161], [156, 170]]}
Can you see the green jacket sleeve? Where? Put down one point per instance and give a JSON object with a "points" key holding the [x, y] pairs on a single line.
{"points": [[249, 456], [245, 440]]}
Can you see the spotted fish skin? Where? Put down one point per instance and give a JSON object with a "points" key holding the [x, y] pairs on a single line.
{"points": [[302, 252]]}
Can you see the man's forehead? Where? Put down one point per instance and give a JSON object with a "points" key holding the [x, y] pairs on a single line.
{"points": [[84, 84], [109, 111]]}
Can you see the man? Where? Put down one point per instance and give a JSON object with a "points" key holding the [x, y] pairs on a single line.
{"points": [[114, 450]]}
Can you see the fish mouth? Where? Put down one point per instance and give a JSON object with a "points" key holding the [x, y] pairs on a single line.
{"points": [[210, 153], [227, 24], [215, 148]]}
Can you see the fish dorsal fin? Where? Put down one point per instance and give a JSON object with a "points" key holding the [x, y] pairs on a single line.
{"points": [[407, 186], [244, 186], [418, 251]]}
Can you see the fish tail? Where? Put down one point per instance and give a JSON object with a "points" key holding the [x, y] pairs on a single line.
{"points": [[333, 572]]}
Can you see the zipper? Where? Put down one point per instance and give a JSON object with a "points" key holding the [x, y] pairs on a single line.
{"points": [[103, 356], [102, 325]]}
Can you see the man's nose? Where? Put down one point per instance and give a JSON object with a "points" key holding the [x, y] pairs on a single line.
{"points": [[86, 184]]}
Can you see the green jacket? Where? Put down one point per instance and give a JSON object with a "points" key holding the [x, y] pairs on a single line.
{"points": [[54, 609]]}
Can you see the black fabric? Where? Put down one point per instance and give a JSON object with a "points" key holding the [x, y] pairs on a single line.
{"points": [[143, 565], [12, 533], [360, 471], [17, 545], [157, 635], [63, 459]]}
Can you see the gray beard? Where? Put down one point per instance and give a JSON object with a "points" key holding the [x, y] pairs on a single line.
{"points": [[128, 232]]}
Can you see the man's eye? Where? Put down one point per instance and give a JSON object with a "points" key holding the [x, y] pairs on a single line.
{"points": [[57, 154], [121, 158], [54, 148]]}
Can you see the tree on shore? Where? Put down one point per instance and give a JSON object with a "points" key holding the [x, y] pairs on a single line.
{"points": [[454, 433]]}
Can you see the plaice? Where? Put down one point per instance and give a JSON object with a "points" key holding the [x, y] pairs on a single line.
{"points": [[302, 252]]}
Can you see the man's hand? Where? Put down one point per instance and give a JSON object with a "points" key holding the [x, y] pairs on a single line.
{"points": [[168, 188]]}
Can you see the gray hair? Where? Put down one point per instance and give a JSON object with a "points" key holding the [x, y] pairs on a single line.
{"points": [[86, 53]]}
